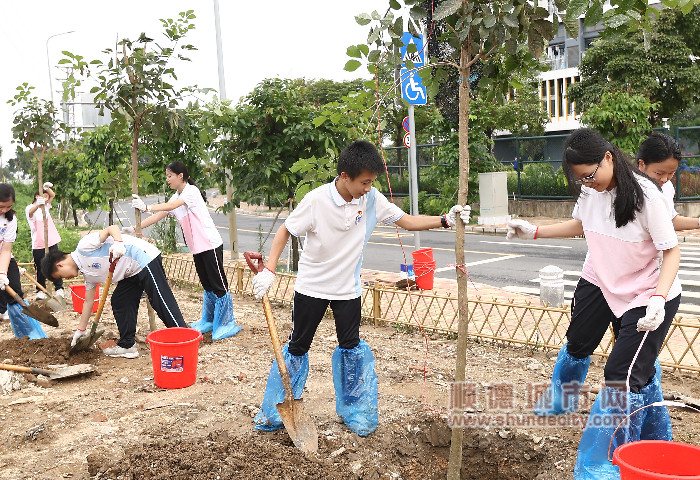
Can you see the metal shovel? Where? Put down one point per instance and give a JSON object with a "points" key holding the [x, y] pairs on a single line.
{"points": [[299, 426], [33, 311], [54, 302], [65, 372], [89, 340]]}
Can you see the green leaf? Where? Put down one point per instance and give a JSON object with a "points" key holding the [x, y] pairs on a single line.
{"points": [[489, 21], [616, 20], [373, 56], [363, 19], [394, 5], [594, 14], [376, 16], [511, 20], [571, 25], [352, 65], [353, 51], [576, 8], [318, 121], [446, 8]]}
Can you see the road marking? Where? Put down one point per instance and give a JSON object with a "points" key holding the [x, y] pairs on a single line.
{"points": [[479, 262], [526, 244]]}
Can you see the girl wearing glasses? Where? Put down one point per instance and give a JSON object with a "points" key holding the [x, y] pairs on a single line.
{"points": [[628, 280], [659, 157]]}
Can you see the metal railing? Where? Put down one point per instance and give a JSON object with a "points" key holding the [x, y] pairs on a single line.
{"points": [[492, 319]]}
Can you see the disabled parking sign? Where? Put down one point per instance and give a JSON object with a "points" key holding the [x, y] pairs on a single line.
{"points": [[412, 90]]}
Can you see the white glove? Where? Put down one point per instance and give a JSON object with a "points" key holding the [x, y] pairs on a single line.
{"points": [[117, 250], [40, 200], [47, 185], [262, 282], [4, 281], [129, 230], [22, 270], [521, 229], [464, 212], [138, 203], [77, 336], [656, 311]]}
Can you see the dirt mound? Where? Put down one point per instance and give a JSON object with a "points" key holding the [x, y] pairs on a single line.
{"points": [[396, 450], [43, 352]]}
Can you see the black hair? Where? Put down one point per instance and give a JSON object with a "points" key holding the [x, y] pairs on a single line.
{"points": [[7, 193], [658, 148], [588, 147], [180, 168], [48, 263], [360, 156]]}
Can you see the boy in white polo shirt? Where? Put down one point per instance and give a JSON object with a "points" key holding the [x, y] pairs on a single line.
{"points": [[139, 269], [337, 219]]}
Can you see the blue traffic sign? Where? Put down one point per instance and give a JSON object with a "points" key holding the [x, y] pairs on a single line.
{"points": [[405, 124], [412, 90], [417, 57]]}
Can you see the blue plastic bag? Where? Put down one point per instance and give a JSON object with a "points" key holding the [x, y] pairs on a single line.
{"points": [[22, 325], [657, 422], [224, 321], [567, 378], [356, 395], [206, 323], [611, 406], [268, 418]]}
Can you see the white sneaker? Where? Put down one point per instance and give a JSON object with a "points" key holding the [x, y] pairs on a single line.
{"points": [[41, 296], [118, 351], [60, 293], [4, 316]]}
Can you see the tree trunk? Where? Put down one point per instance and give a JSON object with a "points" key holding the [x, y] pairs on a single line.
{"points": [[111, 211], [455, 460], [75, 217]]}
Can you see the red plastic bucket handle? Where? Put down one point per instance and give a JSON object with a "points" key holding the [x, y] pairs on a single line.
{"points": [[250, 256]]}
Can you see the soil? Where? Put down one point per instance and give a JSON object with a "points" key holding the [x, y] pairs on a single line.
{"points": [[117, 424]]}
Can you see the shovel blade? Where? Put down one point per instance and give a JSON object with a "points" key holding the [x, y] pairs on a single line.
{"points": [[84, 343], [39, 314], [75, 370], [298, 424], [55, 304]]}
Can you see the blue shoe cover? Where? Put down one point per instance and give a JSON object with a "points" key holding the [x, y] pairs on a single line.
{"points": [[567, 378], [22, 325], [224, 321], [268, 419], [206, 323], [610, 408], [355, 381], [657, 423]]}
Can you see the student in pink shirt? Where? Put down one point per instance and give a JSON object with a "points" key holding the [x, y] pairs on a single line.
{"points": [[629, 280], [188, 206], [35, 218]]}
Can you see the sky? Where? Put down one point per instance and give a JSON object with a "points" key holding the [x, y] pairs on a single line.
{"points": [[263, 39]]}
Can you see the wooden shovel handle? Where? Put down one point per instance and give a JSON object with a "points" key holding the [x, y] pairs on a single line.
{"points": [[14, 295], [41, 287], [271, 325], [23, 369], [105, 292]]}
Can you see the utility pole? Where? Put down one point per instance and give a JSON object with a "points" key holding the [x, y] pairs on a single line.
{"points": [[232, 228]]}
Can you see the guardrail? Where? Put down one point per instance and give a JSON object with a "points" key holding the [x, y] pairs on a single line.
{"points": [[525, 324]]}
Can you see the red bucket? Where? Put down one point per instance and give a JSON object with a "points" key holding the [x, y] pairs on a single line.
{"points": [[657, 460], [174, 354], [425, 273], [422, 255], [77, 293]]}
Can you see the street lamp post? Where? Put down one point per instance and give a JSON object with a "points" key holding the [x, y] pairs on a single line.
{"points": [[48, 60]]}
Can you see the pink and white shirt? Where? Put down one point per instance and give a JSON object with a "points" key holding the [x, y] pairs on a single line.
{"points": [[8, 229], [36, 226], [625, 262], [197, 226]]}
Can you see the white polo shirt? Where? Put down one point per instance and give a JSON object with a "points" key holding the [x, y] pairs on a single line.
{"points": [[336, 234], [669, 192], [197, 225], [92, 258], [624, 262]]}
